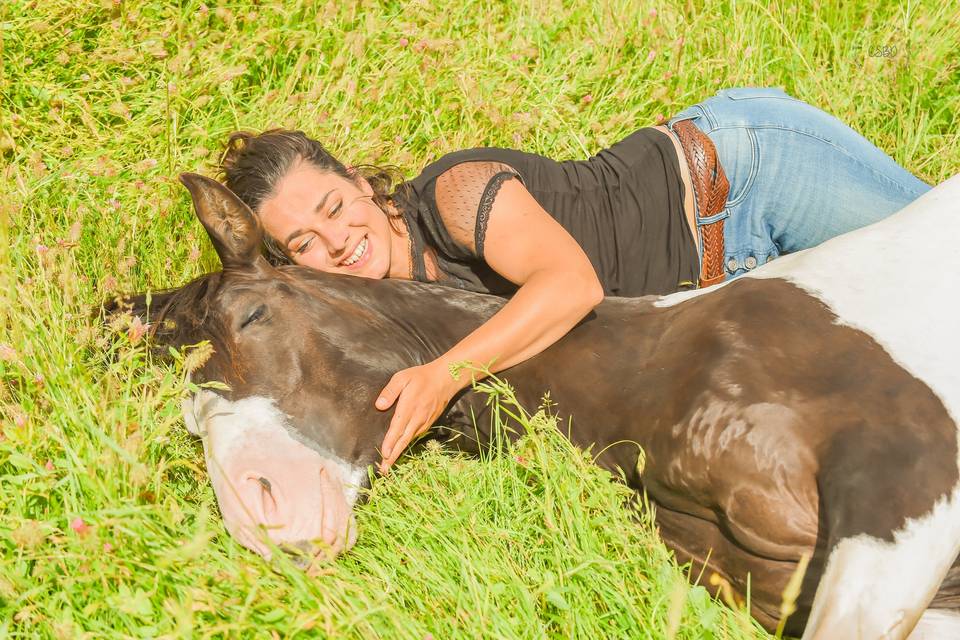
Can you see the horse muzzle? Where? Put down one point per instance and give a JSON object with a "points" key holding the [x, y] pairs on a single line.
{"points": [[273, 490]]}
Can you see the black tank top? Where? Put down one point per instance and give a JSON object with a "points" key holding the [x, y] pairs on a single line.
{"points": [[624, 206]]}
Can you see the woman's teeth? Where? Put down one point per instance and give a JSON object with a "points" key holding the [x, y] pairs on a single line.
{"points": [[358, 253]]}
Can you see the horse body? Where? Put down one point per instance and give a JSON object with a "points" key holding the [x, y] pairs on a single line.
{"points": [[769, 433], [798, 410]]}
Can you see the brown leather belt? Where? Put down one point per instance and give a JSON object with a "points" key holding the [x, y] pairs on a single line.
{"points": [[710, 188]]}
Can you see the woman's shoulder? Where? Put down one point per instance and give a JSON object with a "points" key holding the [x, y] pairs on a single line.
{"points": [[459, 171]]}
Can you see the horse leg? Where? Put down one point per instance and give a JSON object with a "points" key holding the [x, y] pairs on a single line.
{"points": [[892, 531]]}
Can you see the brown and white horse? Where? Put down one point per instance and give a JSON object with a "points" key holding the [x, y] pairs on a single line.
{"points": [[809, 407]]}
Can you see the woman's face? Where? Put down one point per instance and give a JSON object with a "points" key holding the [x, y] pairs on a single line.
{"points": [[326, 222]]}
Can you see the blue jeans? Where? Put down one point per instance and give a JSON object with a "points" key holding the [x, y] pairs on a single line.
{"points": [[798, 176]]}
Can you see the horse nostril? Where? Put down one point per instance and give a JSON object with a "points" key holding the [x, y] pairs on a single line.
{"points": [[301, 552], [265, 484]]}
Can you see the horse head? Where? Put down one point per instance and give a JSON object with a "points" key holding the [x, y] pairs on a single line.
{"points": [[289, 442]]}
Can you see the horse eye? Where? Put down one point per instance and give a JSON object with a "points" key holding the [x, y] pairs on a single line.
{"points": [[256, 315]]}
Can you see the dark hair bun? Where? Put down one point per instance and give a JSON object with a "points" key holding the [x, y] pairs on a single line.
{"points": [[233, 151]]}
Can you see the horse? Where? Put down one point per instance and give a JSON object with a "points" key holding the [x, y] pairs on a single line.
{"points": [[806, 412]]}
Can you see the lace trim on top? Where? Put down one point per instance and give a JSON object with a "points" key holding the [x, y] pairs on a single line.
{"points": [[465, 194], [486, 204]]}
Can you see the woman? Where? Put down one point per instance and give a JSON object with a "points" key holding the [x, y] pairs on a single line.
{"points": [[726, 185]]}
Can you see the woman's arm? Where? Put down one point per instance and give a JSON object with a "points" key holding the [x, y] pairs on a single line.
{"points": [[558, 287]]}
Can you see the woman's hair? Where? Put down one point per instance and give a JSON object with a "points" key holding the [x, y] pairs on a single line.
{"points": [[252, 164]]}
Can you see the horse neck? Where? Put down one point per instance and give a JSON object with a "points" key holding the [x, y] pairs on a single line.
{"points": [[615, 342], [432, 317], [618, 343]]}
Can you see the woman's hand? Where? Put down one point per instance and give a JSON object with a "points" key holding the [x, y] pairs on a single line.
{"points": [[424, 392]]}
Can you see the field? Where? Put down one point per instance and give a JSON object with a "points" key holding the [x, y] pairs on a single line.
{"points": [[108, 526]]}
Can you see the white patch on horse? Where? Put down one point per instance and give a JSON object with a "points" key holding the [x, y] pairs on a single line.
{"points": [[896, 280], [251, 437], [937, 624], [258, 414], [875, 589]]}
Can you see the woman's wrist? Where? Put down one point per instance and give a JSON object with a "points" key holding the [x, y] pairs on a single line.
{"points": [[453, 385]]}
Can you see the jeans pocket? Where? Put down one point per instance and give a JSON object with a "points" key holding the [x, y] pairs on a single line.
{"points": [[746, 93], [739, 153]]}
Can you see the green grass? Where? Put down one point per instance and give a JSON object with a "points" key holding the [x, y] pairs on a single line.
{"points": [[103, 105]]}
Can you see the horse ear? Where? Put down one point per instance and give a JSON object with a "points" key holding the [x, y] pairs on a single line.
{"points": [[233, 228]]}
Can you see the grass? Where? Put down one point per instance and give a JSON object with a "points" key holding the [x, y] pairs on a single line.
{"points": [[107, 524]]}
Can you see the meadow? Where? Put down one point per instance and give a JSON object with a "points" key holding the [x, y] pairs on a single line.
{"points": [[108, 526]]}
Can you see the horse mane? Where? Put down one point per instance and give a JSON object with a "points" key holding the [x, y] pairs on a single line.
{"points": [[175, 317]]}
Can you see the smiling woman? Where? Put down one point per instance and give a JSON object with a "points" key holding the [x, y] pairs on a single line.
{"points": [[328, 223], [295, 185]]}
